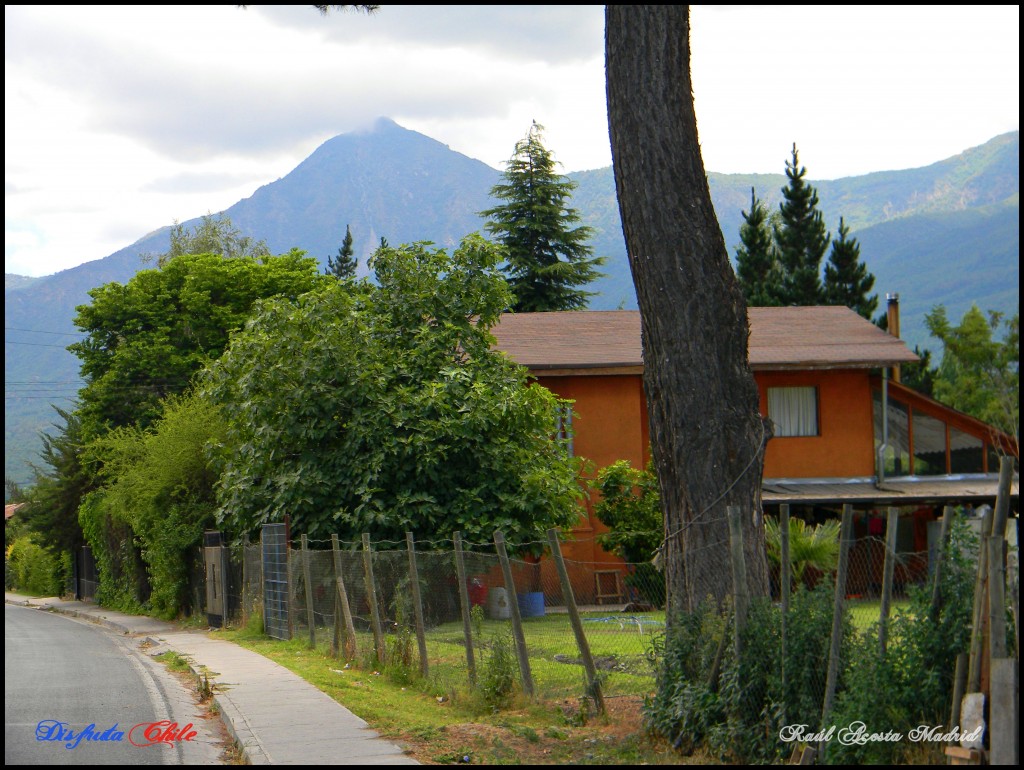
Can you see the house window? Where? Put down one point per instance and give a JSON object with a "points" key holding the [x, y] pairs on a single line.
{"points": [[966, 453], [793, 411], [929, 437]]}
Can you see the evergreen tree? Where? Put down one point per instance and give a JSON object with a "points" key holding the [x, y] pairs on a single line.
{"points": [[801, 238], [344, 266], [757, 261], [547, 257], [847, 280], [979, 374]]}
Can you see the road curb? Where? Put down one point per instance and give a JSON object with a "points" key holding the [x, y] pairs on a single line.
{"points": [[233, 721]]}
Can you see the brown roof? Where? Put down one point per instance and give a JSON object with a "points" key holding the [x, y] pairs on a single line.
{"points": [[780, 338]]}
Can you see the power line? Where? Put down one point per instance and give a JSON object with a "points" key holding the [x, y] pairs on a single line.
{"points": [[41, 331], [35, 344]]}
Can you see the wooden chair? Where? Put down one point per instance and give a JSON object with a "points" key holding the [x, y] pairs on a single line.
{"points": [[608, 586]]}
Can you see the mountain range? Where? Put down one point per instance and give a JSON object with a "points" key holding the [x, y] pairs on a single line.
{"points": [[946, 233]]}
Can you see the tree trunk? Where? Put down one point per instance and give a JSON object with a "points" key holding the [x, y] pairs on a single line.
{"points": [[707, 437]]}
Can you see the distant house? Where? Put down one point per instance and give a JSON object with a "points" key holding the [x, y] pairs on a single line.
{"points": [[822, 373]]}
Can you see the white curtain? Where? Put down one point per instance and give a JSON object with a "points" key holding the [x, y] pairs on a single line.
{"points": [[794, 411]]}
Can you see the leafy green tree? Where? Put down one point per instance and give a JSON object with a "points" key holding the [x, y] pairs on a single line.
{"points": [[801, 238], [381, 407], [161, 484], [548, 259], [847, 280], [757, 259], [630, 506], [213, 235], [148, 337], [344, 266], [979, 374]]}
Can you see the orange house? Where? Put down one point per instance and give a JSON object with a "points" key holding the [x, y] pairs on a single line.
{"points": [[818, 375]]}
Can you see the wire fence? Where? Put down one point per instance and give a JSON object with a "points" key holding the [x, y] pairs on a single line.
{"points": [[621, 607], [461, 615], [360, 601]]}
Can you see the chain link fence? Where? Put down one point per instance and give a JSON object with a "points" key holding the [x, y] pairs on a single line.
{"points": [[619, 626], [463, 615]]}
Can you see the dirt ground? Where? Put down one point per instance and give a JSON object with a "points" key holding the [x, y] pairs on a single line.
{"points": [[617, 738]]}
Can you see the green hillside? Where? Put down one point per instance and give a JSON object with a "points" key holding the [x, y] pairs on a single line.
{"points": [[946, 233]]}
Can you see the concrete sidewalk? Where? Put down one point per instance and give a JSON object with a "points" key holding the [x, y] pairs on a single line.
{"points": [[275, 716]]}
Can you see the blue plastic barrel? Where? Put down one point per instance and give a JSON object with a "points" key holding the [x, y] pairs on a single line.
{"points": [[531, 604]]}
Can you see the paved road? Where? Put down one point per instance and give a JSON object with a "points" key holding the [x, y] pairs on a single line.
{"points": [[72, 672]]}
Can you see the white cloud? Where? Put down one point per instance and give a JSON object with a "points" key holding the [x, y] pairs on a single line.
{"points": [[119, 120]]}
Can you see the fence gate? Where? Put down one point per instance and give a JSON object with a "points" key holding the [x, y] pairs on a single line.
{"points": [[216, 579], [86, 579], [275, 581]]}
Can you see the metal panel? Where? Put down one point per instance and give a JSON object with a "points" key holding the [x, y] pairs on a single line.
{"points": [[213, 557], [275, 581]]}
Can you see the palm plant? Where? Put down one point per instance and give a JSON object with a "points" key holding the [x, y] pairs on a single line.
{"points": [[814, 545]]}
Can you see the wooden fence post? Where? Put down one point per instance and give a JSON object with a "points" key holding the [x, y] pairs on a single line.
{"points": [[225, 571], [417, 604], [341, 594], [593, 681], [887, 572], [310, 615], [371, 596], [517, 622], [467, 626], [947, 522], [831, 679], [979, 618], [784, 587], [1004, 675], [741, 599], [245, 580]]}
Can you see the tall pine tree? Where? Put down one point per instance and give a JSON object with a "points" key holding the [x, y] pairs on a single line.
{"points": [[344, 265], [847, 280], [801, 237], [547, 256], [757, 261]]}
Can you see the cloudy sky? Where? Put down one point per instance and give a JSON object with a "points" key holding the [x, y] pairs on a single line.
{"points": [[120, 120]]}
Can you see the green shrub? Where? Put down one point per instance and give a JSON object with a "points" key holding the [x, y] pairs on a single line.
{"points": [[33, 569], [630, 506], [499, 673], [734, 708], [912, 683]]}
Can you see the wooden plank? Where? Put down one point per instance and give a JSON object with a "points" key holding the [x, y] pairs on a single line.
{"points": [[371, 597], [593, 682], [467, 625], [310, 615], [845, 536], [517, 622], [417, 604], [887, 573]]}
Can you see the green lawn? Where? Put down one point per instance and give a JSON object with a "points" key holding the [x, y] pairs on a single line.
{"points": [[867, 611], [620, 645]]}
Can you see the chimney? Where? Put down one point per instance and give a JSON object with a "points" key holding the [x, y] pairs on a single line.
{"points": [[893, 320]]}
